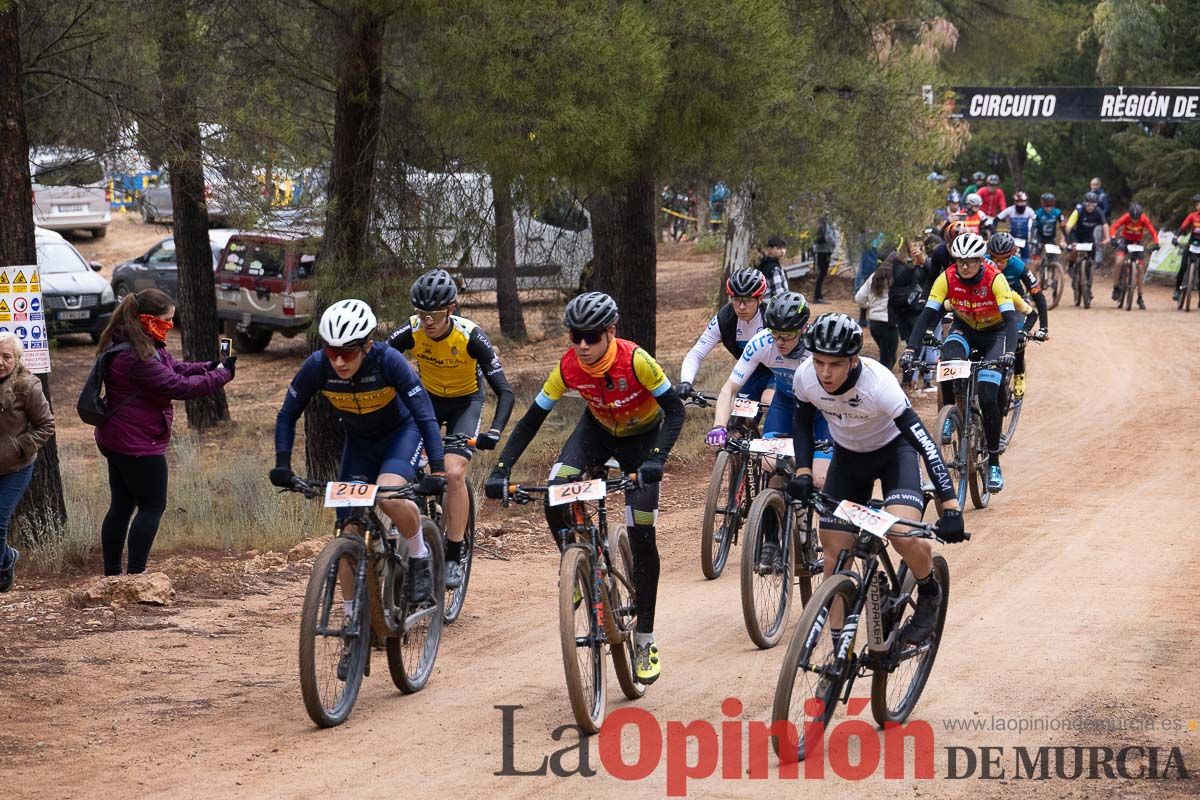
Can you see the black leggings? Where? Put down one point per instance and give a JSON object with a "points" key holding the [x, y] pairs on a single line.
{"points": [[822, 271], [887, 337], [135, 482]]}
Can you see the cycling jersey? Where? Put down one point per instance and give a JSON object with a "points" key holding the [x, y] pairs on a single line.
{"points": [[1083, 224], [974, 221], [978, 304], [993, 200], [623, 399], [1046, 223], [762, 350], [1019, 220], [383, 396], [1019, 278], [1134, 230], [1191, 225], [452, 365], [724, 328]]}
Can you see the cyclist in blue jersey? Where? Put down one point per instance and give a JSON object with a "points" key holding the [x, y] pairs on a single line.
{"points": [[1019, 216], [1048, 221], [1003, 252], [386, 414]]}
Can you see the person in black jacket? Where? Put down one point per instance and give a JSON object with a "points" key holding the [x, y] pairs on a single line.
{"points": [[772, 269]]}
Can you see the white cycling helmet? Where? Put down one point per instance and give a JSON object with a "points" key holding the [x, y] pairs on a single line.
{"points": [[347, 322], [974, 200], [968, 245]]}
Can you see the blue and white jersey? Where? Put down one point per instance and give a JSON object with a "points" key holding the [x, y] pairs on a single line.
{"points": [[762, 350]]}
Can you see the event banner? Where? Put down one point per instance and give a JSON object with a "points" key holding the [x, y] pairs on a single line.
{"points": [[1077, 103], [22, 313]]}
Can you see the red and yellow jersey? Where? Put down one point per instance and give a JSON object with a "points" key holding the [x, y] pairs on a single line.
{"points": [[979, 304], [1191, 226], [1134, 230], [622, 399], [973, 221]]}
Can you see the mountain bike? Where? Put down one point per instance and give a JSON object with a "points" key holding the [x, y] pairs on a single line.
{"points": [[960, 430], [1127, 283], [357, 596], [1050, 274], [432, 508], [781, 544], [1010, 406], [819, 667], [1082, 270], [735, 482], [1189, 264], [596, 606]]}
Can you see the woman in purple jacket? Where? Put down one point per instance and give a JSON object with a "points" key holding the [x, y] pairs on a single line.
{"points": [[141, 383]]}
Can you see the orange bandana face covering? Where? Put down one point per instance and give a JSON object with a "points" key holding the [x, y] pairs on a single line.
{"points": [[604, 364], [156, 327]]}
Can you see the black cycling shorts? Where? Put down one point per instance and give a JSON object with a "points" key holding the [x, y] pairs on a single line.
{"points": [[590, 446], [852, 477], [460, 415]]}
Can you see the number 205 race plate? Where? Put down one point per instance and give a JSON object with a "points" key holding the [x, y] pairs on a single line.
{"points": [[563, 493], [345, 495]]}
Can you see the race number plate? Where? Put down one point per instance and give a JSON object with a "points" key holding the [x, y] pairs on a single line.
{"points": [[1134, 248], [342, 494], [953, 370], [1020, 242], [1053, 249], [744, 407], [563, 493], [1083, 247], [870, 520], [1194, 248], [772, 447]]}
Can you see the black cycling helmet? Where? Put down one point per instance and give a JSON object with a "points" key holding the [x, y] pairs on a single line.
{"points": [[834, 334], [1001, 244], [1048, 199], [993, 180], [590, 311], [746, 283], [433, 290], [1091, 197], [786, 312], [1136, 210]]}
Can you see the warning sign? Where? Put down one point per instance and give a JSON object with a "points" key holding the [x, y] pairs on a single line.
{"points": [[23, 303]]}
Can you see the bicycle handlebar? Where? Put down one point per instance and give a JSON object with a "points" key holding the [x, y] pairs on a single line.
{"points": [[825, 505], [313, 489], [521, 493], [699, 399]]}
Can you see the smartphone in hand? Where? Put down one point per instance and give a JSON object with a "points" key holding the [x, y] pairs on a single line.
{"points": [[226, 347]]}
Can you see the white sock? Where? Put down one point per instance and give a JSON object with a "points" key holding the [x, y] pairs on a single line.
{"points": [[643, 639], [417, 548]]}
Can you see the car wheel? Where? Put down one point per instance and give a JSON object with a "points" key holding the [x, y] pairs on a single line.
{"points": [[252, 341], [95, 337], [99, 233], [122, 291], [147, 214]]}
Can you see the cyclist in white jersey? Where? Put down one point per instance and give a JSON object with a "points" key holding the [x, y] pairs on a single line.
{"points": [[876, 436], [732, 327]]}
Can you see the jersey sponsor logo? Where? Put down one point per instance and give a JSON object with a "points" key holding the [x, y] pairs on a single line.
{"points": [[416, 390], [933, 459], [362, 402], [855, 401]]}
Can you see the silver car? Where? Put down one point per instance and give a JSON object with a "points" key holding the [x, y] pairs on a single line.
{"points": [[157, 205], [69, 191]]}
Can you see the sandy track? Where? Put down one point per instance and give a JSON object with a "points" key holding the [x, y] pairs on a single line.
{"points": [[1076, 598]]}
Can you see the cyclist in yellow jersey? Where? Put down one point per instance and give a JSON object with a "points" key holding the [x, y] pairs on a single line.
{"points": [[454, 358], [633, 415], [985, 320]]}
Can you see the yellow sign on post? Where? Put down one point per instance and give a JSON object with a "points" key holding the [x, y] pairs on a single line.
{"points": [[23, 314]]}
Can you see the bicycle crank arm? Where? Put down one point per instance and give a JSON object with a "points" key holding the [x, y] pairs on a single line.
{"points": [[412, 619]]}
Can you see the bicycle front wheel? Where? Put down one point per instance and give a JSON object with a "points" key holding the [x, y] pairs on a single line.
{"points": [[977, 460], [456, 597], [810, 561], [412, 652], [1189, 285], [620, 614], [1054, 283], [949, 432], [1086, 281], [810, 683], [722, 513], [766, 570], [333, 644], [894, 694], [581, 639]]}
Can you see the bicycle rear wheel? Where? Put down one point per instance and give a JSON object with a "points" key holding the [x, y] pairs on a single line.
{"points": [[412, 653], [620, 614], [456, 597], [579, 634], [809, 672], [895, 694], [330, 644], [977, 453], [722, 513], [766, 584], [949, 431]]}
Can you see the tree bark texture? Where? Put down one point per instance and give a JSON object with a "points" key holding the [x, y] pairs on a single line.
{"points": [[358, 105], [42, 513], [196, 305], [508, 303], [626, 255]]}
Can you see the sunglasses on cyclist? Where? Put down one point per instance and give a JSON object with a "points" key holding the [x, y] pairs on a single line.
{"points": [[591, 337], [343, 353], [430, 317], [785, 334]]}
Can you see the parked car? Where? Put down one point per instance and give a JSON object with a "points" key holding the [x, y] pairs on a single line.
{"points": [[263, 286], [77, 300], [156, 204], [157, 267], [69, 191]]}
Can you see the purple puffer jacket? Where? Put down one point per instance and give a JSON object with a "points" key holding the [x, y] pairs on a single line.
{"points": [[142, 427]]}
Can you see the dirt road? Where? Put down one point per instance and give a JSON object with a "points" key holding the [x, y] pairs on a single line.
{"points": [[1075, 601]]}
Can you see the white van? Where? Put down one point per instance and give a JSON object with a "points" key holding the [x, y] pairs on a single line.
{"points": [[69, 191]]}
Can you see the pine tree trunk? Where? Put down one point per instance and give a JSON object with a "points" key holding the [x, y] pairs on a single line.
{"points": [[358, 110], [626, 254], [738, 229], [508, 303], [196, 305], [42, 512]]}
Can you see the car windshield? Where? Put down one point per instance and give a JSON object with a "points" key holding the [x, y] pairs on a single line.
{"points": [[55, 257], [69, 173]]}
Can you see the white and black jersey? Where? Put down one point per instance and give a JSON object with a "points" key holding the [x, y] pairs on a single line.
{"points": [[725, 328]]}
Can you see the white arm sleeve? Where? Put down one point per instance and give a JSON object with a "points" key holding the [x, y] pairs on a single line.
{"points": [[700, 350]]}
